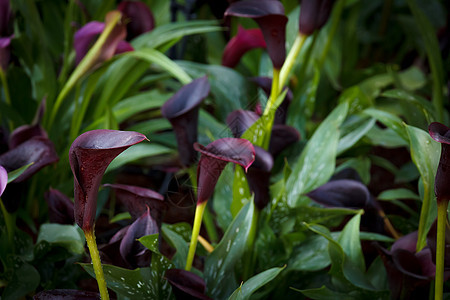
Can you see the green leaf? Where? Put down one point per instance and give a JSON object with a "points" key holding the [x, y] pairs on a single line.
{"points": [[156, 57], [371, 236], [25, 279], [245, 291], [324, 293], [350, 243], [311, 255], [222, 200], [119, 217], [150, 242], [388, 119], [139, 283], [241, 191], [353, 131], [16, 173], [425, 153], [222, 261], [397, 194], [70, 237], [137, 152], [175, 235], [314, 167], [360, 164]]}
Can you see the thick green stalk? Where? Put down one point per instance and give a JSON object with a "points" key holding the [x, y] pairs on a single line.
{"points": [[440, 249], [97, 264], [290, 60], [273, 92], [199, 210]]}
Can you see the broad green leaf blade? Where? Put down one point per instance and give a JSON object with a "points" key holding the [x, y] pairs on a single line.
{"points": [[241, 191], [150, 242], [388, 119], [425, 153], [70, 237], [25, 279], [222, 261], [315, 167], [324, 293], [355, 131], [245, 291], [350, 243], [156, 57], [397, 194], [311, 255], [178, 242]]}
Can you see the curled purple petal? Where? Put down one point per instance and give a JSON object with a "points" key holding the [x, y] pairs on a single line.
{"points": [[60, 207], [5, 52], [441, 133], [282, 136], [138, 17], [269, 15], [38, 150], [240, 120], [3, 179], [85, 37], [186, 285], [244, 41], [314, 14], [130, 248], [182, 112], [89, 156], [137, 199], [66, 295], [258, 177], [214, 158]]}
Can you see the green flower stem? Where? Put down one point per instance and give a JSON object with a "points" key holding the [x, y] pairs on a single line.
{"points": [[97, 264], [9, 222], [290, 60], [440, 249], [208, 219], [273, 92], [251, 258], [86, 64], [199, 210], [5, 87]]}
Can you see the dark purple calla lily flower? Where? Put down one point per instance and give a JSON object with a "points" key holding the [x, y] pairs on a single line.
{"points": [[269, 14], [5, 17], [38, 150], [441, 133], [137, 199], [133, 251], [244, 41], [85, 37], [66, 295], [314, 14], [409, 273], [3, 179], [186, 285], [214, 158], [258, 177], [60, 207], [182, 112], [282, 136], [138, 17], [266, 84], [5, 52], [240, 120], [89, 156]]}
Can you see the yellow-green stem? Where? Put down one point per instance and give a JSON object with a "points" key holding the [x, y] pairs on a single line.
{"points": [[440, 249], [5, 87], [9, 222], [97, 264], [274, 91], [199, 210], [290, 60]]}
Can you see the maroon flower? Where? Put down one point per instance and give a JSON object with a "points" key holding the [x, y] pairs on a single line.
{"points": [[214, 158], [240, 120], [60, 207], [314, 14], [269, 14], [138, 17], [441, 133], [89, 156], [186, 285], [258, 177], [244, 41]]}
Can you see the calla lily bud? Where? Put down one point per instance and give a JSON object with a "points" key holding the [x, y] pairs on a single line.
{"points": [[214, 158], [269, 14], [240, 120], [5, 17], [89, 156], [282, 136], [138, 17], [258, 177], [186, 285], [441, 133], [60, 207], [182, 112], [314, 14], [244, 41], [3, 180]]}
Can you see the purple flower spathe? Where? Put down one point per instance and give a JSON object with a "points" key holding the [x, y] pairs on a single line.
{"points": [[186, 285], [3, 179], [214, 158], [269, 14], [182, 112], [240, 120], [441, 133], [89, 156], [314, 14], [60, 207], [5, 17], [244, 41], [258, 177], [138, 17]]}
